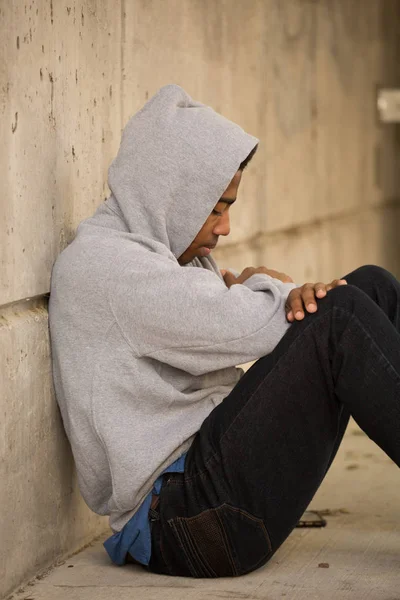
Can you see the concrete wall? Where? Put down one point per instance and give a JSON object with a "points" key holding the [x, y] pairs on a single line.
{"points": [[327, 174], [320, 197]]}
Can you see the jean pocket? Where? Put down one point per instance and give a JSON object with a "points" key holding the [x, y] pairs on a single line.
{"points": [[222, 542]]}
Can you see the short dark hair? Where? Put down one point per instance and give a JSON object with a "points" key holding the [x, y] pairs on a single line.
{"points": [[246, 161]]}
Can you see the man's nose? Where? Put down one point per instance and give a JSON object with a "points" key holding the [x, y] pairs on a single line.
{"points": [[223, 227]]}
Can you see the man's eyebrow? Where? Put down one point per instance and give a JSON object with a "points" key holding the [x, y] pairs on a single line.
{"points": [[227, 200]]}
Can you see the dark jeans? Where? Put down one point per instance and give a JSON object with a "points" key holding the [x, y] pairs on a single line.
{"points": [[260, 456]]}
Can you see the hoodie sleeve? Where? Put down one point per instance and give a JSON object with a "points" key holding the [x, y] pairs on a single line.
{"points": [[189, 319], [257, 283]]}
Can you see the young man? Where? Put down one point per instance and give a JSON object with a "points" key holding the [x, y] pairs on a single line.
{"points": [[205, 471]]}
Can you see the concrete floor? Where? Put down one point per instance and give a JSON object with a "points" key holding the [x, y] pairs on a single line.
{"points": [[356, 556]]}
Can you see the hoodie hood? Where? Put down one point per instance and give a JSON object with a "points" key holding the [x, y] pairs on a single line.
{"points": [[177, 157]]}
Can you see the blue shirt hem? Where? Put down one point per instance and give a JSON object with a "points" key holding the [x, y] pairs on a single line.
{"points": [[135, 537]]}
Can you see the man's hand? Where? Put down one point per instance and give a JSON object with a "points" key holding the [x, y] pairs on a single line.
{"points": [[306, 296], [230, 279]]}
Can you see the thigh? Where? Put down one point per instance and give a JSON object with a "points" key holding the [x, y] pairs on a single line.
{"points": [[260, 456], [268, 446], [257, 461]]}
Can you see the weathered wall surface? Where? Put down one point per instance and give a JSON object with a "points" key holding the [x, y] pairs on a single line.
{"points": [[320, 197], [328, 171], [43, 515]]}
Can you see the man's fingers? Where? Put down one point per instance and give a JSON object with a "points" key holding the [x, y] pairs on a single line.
{"points": [[320, 289], [306, 298], [308, 295], [229, 278], [336, 283], [294, 305]]}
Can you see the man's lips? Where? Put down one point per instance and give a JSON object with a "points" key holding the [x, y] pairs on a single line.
{"points": [[206, 250]]}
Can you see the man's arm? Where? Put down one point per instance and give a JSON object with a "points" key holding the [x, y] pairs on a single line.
{"points": [[188, 317], [300, 299]]}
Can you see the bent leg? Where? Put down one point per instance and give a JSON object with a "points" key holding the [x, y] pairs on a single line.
{"points": [[384, 289], [381, 286], [261, 455]]}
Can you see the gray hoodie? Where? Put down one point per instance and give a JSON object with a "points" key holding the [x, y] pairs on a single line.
{"points": [[143, 349]]}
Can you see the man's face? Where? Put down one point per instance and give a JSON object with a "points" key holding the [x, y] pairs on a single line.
{"points": [[217, 224]]}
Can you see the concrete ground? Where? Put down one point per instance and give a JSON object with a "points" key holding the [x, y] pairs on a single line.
{"points": [[356, 556]]}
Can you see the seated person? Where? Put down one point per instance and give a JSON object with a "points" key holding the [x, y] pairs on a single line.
{"points": [[203, 470]]}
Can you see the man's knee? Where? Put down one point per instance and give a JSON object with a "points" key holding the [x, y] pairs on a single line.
{"points": [[347, 297], [369, 273]]}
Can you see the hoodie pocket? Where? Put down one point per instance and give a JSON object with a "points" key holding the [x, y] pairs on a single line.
{"points": [[222, 542]]}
